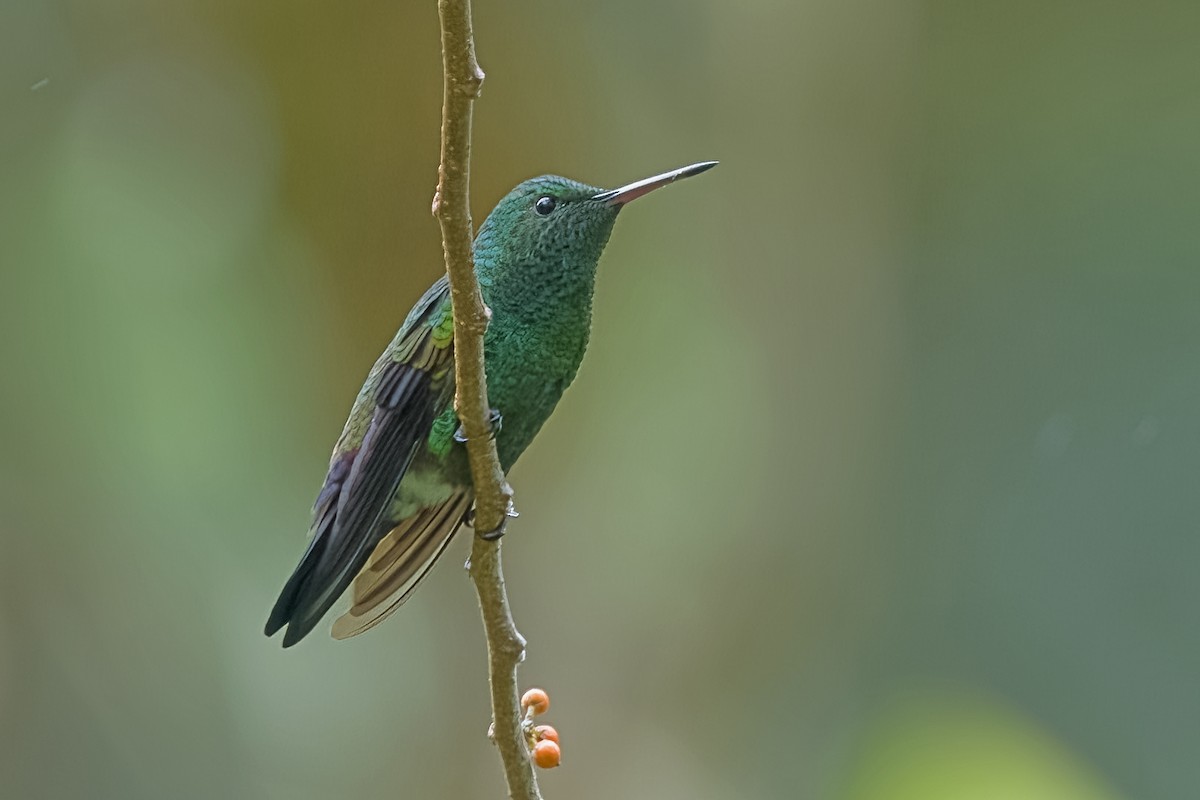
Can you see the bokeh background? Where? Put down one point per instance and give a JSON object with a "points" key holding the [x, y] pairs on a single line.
{"points": [[879, 480]]}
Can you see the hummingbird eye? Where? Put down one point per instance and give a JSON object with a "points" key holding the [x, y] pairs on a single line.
{"points": [[544, 205]]}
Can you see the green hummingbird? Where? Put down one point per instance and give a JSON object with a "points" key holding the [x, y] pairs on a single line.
{"points": [[399, 485]]}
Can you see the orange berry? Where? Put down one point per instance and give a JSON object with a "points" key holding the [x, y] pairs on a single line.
{"points": [[536, 700], [546, 732], [547, 754]]}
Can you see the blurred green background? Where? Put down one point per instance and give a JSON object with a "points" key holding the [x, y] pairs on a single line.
{"points": [[879, 480]]}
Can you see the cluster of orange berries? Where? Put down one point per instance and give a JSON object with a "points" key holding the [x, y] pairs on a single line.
{"points": [[543, 739]]}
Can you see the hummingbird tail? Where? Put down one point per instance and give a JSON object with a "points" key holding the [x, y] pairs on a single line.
{"points": [[400, 562]]}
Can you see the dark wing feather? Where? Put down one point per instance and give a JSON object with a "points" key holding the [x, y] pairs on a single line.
{"points": [[324, 514], [351, 513]]}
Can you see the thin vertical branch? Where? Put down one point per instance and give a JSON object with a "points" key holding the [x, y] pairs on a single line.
{"points": [[506, 648], [451, 207]]}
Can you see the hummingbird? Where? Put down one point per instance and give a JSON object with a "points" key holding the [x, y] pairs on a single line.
{"points": [[399, 484]]}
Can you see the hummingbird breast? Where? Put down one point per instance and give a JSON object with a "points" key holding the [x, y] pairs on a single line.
{"points": [[530, 363]]}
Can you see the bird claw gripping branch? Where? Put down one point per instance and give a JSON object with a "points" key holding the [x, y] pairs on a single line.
{"points": [[495, 424]]}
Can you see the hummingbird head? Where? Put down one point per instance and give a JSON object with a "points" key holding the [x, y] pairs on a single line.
{"points": [[549, 232], [545, 229]]}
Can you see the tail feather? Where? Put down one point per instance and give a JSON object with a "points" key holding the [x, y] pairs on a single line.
{"points": [[400, 562]]}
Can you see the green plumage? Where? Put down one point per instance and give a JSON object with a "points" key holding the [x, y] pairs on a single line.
{"points": [[398, 484]]}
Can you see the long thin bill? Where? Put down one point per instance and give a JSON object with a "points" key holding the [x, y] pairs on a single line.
{"points": [[632, 191]]}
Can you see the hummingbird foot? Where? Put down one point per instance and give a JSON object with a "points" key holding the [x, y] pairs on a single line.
{"points": [[490, 536], [495, 422]]}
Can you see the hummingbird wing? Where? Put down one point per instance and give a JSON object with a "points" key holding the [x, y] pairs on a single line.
{"points": [[408, 387], [400, 562]]}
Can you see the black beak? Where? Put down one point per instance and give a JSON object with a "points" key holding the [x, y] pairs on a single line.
{"points": [[632, 191]]}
